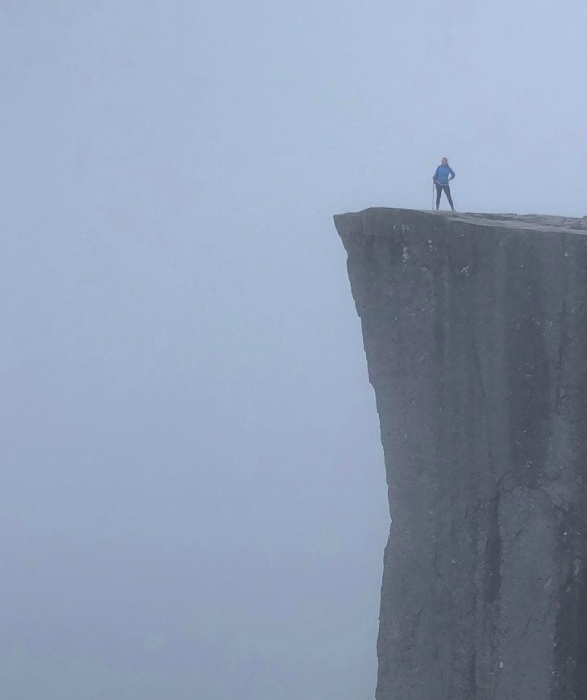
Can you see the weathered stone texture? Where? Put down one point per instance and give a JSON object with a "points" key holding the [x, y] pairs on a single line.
{"points": [[475, 330]]}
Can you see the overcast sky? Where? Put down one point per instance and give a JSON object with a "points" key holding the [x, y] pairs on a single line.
{"points": [[192, 490]]}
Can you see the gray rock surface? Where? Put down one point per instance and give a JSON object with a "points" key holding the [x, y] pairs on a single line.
{"points": [[475, 331]]}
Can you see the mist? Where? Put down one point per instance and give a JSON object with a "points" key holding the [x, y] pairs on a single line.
{"points": [[192, 490]]}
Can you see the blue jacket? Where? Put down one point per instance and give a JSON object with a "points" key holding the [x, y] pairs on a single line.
{"points": [[441, 176]]}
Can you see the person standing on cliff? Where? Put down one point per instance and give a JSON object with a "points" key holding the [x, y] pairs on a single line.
{"points": [[443, 175]]}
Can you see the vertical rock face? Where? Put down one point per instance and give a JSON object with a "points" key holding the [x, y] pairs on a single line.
{"points": [[475, 330]]}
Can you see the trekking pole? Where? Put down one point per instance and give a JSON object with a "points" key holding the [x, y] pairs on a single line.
{"points": [[433, 195]]}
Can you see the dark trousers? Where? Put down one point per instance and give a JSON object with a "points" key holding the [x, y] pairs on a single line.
{"points": [[439, 189]]}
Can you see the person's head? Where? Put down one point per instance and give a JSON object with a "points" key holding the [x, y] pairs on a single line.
{"points": [[444, 161]]}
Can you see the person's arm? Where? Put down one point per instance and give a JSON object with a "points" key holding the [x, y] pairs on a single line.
{"points": [[435, 176], [452, 173]]}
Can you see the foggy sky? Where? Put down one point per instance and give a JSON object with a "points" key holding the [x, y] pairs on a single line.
{"points": [[192, 488]]}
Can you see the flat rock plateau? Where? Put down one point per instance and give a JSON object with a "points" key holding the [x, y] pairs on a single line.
{"points": [[475, 331]]}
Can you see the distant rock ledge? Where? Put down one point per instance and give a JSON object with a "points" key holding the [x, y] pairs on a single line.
{"points": [[475, 331]]}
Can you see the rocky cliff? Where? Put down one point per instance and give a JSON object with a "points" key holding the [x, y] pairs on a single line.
{"points": [[475, 331]]}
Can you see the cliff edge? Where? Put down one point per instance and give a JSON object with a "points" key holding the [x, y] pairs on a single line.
{"points": [[475, 331]]}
